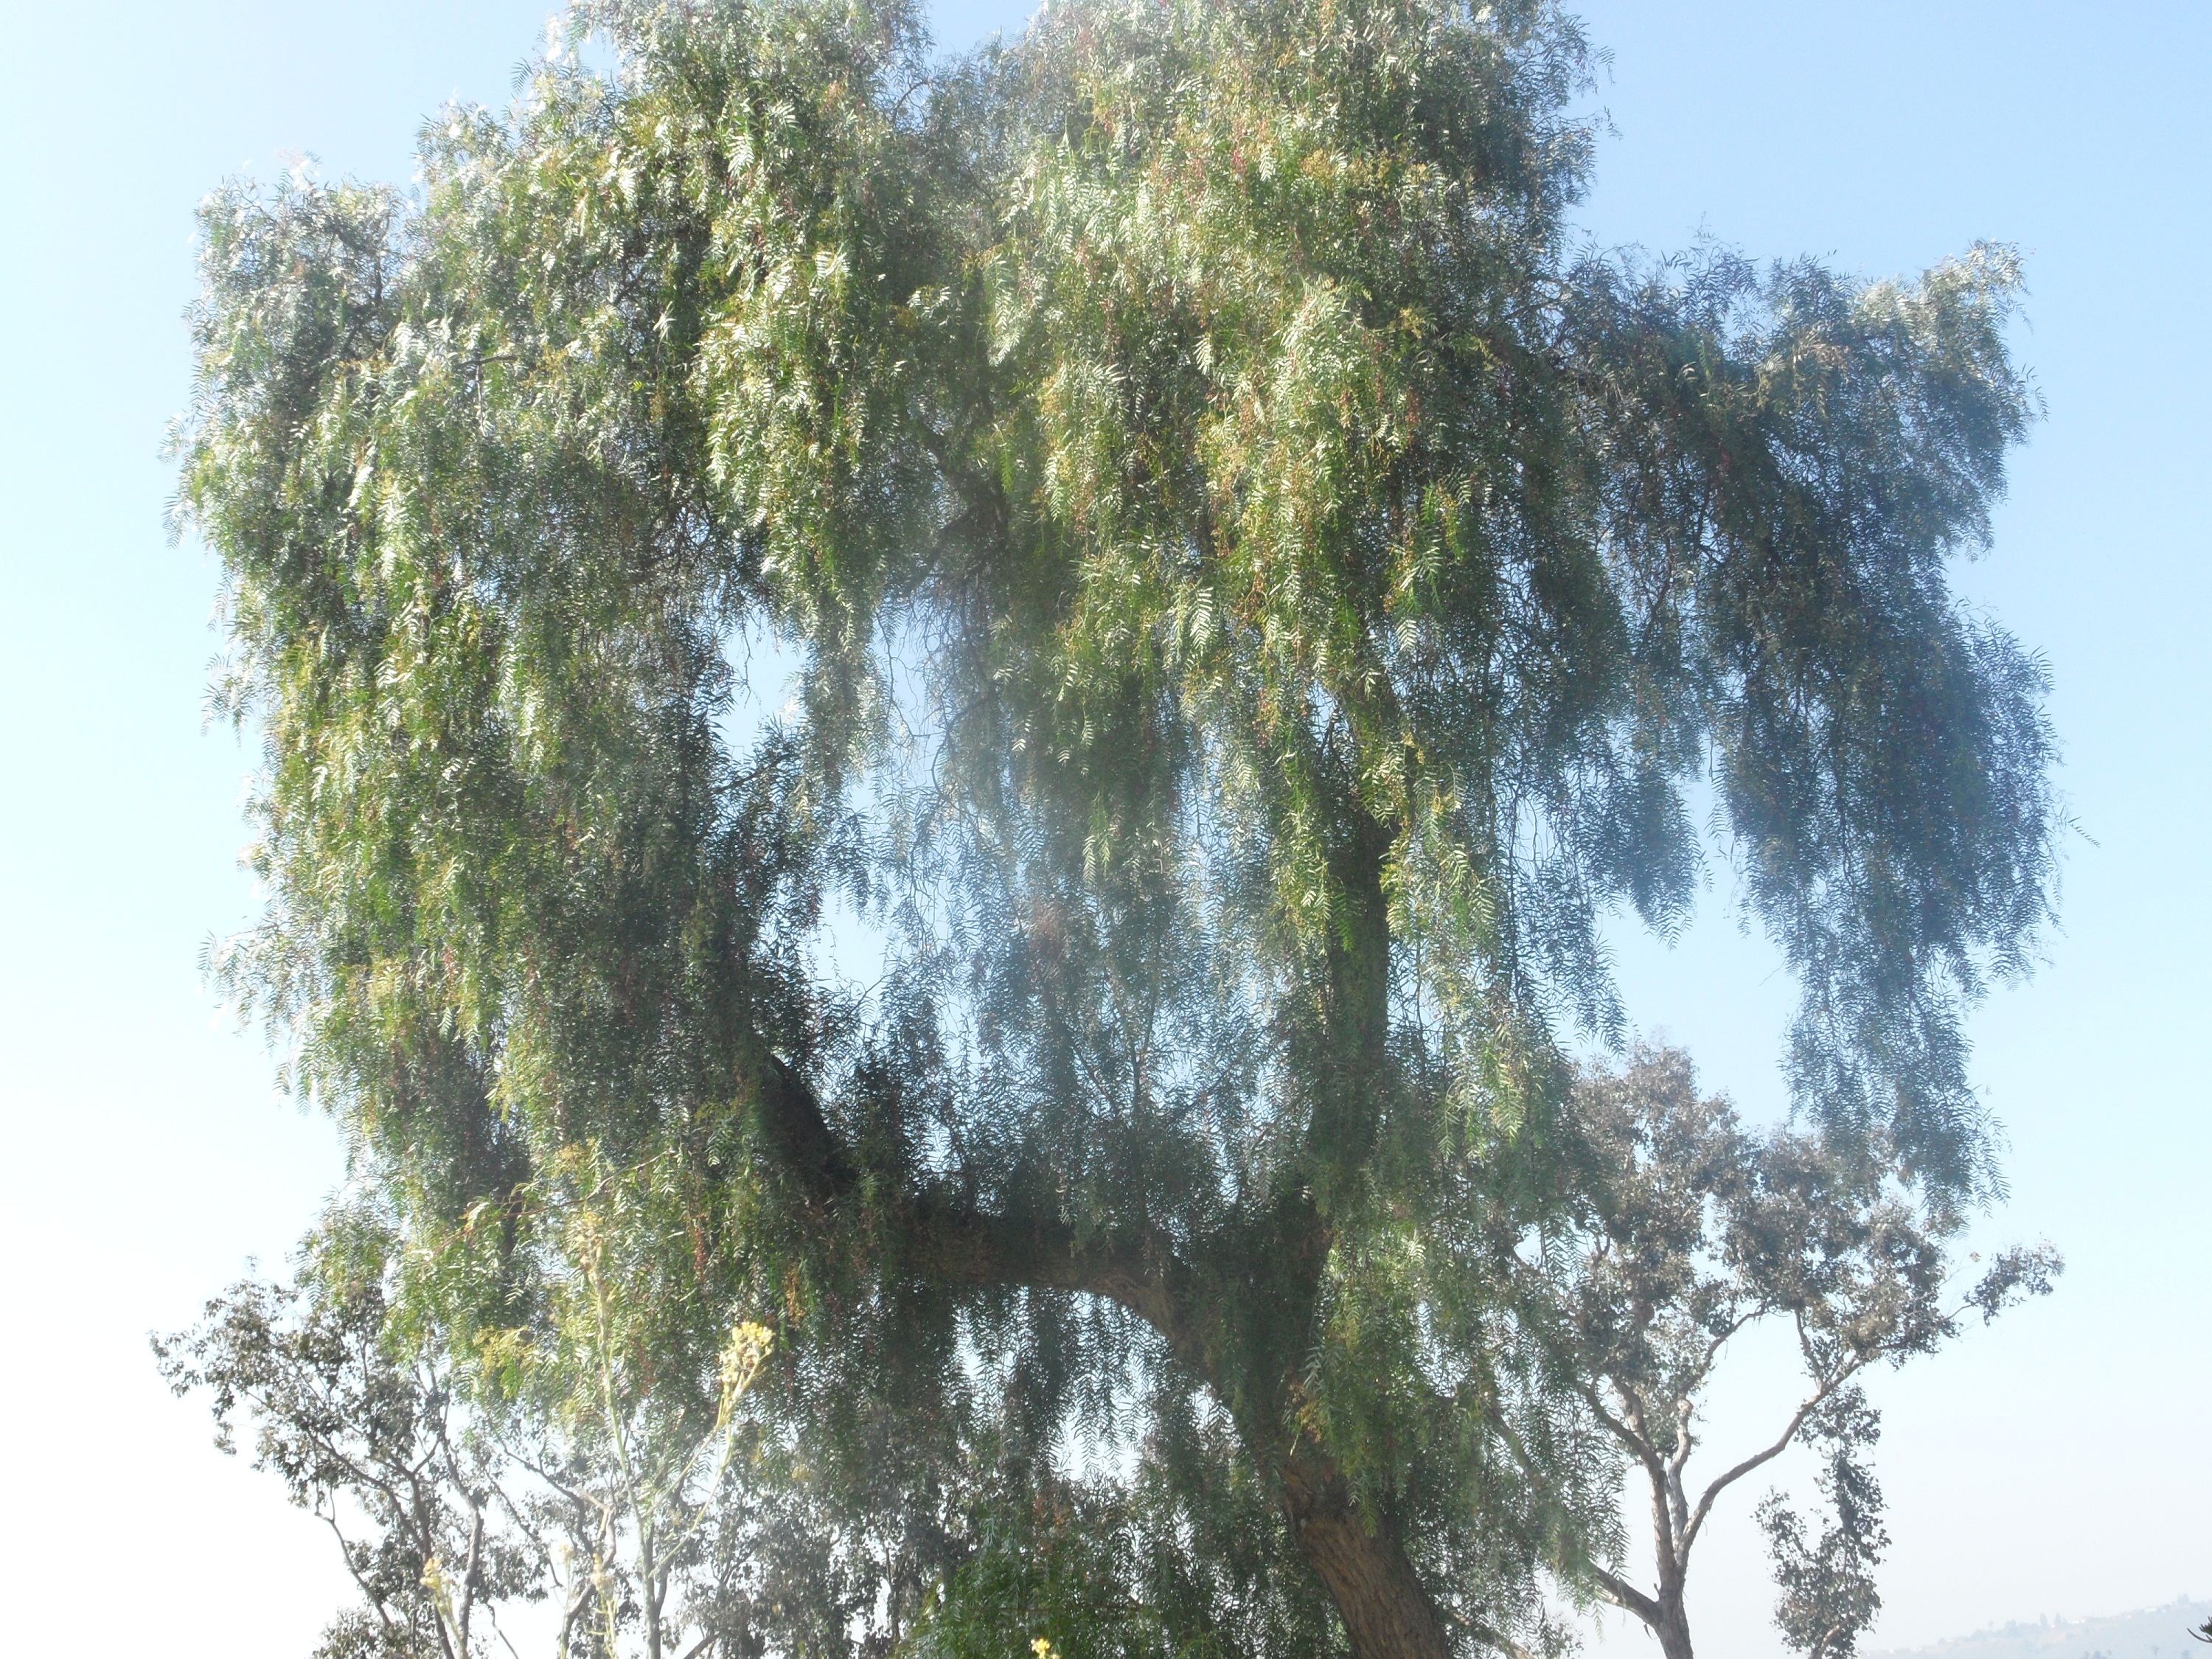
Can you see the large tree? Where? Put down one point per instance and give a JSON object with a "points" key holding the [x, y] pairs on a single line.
{"points": [[1037, 675]]}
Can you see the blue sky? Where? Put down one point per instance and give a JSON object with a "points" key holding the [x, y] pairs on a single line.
{"points": [[2060, 1462]]}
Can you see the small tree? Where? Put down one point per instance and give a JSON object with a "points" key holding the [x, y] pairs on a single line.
{"points": [[370, 1437], [1691, 1230], [464, 1471]]}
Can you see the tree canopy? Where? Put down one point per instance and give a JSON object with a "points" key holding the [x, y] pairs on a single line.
{"points": [[1033, 678]]}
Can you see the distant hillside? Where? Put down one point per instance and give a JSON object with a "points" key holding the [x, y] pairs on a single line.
{"points": [[2152, 1633]]}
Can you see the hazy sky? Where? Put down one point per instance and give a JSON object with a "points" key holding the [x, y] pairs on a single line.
{"points": [[2060, 1462]]}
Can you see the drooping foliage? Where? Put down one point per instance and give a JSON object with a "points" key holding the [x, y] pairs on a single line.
{"points": [[1037, 675]]}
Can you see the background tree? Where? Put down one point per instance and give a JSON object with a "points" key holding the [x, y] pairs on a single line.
{"points": [[1687, 1231], [1159, 533], [372, 1441], [580, 1455]]}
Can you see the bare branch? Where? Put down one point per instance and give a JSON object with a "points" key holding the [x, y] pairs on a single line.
{"points": [[1775, 1450], [1625, 1595]]}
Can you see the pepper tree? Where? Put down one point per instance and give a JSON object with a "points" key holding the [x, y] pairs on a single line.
{"points": [[1039, 672]]}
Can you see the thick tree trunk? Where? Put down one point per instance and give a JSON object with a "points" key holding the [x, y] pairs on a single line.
{"points": [[1386, 1613]]}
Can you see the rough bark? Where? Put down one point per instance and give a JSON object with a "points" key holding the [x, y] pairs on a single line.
{"points": [[1387, 1613]]}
